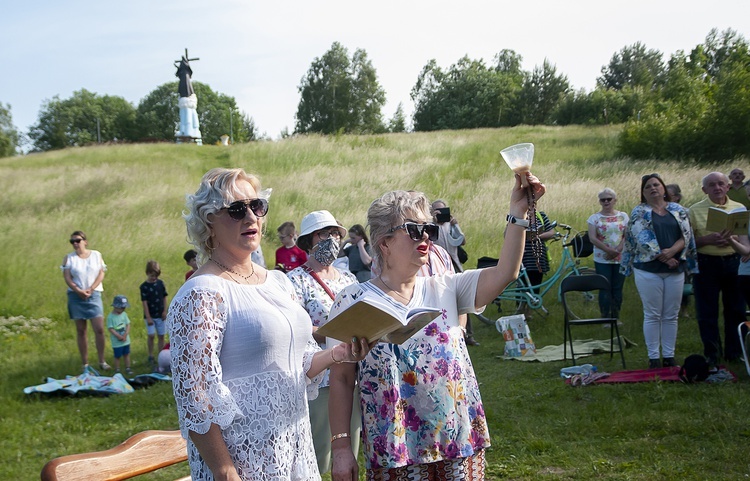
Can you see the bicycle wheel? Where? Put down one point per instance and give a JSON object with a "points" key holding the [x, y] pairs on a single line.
{"points": [[580, 297]]}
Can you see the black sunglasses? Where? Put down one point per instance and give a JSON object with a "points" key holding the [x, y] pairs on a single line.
{"points": [[606, 199], [238, 209], [648, 176], [76, 241], [416, 231]]}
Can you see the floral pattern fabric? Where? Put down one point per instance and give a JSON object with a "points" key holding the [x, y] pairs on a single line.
{"points": [[610, 229], [240, 354], [315, 300], [420, 400], [640, 239]]}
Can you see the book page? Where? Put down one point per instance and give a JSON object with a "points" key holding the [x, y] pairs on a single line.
{"points": [[735, 221], [373, 317]]}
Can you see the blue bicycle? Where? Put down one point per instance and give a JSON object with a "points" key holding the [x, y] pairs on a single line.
{"points": [[523, 294]]}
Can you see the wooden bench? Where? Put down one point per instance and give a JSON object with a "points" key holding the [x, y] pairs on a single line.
{"points": [[144, 452]]}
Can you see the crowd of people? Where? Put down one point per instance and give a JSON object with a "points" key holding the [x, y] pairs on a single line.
{"points": [[83, 272], [261, 395]]}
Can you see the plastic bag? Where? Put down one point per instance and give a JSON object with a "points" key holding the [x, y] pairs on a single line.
{"points": [[515, 331]]}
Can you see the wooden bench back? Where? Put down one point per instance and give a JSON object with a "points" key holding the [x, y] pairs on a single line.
{"points": [[141, 453]]}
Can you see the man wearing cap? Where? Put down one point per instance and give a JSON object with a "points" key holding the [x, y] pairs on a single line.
{"points": [[717, 265]]}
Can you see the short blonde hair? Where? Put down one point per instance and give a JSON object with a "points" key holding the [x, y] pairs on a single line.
{"points": [[218, 189], [392, 209]]}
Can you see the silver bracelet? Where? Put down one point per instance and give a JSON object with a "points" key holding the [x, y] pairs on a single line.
{"points": [[515, 220]]}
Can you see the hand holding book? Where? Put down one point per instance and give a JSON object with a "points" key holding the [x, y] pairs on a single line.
{"points": [[734, 221], [364, 314]]}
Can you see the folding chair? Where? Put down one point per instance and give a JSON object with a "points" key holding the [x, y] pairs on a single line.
{"points": [[744, 341], [589, 282]]}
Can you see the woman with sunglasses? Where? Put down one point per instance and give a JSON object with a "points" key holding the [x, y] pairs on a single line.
{"points": [[243, 357], [83, 271], [316, 283], [659, 249], [422, 415], [607, 233]]}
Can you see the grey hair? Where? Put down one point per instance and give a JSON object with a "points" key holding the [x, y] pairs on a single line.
{"points": [[607, 191], [705, 178], [218, 189], [392, 209]]}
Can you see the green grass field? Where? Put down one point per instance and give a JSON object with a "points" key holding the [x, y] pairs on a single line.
{"points": [[128, 199]]}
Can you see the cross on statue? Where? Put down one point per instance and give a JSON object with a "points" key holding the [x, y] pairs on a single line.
{"points": [[184, 73]]}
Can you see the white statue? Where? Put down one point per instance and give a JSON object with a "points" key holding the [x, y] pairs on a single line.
{"points": [[188, 103]]}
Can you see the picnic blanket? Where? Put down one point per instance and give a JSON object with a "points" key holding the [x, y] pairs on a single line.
{"points": [[90, 382], [582, 348], [664, 374]]}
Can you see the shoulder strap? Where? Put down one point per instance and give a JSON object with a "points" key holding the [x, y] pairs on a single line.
{"points": [[315, 276]]}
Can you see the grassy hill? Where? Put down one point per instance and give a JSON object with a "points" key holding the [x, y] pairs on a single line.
{"points": [[128, 199]]}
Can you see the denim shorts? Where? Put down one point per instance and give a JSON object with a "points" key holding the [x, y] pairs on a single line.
{"points": [[158, 327], [85, 309]]}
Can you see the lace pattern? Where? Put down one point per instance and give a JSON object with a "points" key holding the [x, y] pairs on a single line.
{"points": [[239, 358]]}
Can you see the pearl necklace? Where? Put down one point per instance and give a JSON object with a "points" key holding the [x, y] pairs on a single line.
{"points": [[407, 299], [247, 278]]}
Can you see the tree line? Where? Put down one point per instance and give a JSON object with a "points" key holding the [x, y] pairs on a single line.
{"points": [[692, 105]]}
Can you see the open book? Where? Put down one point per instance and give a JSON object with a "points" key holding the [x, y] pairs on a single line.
{"points": [[735, 220], [372, 317]]}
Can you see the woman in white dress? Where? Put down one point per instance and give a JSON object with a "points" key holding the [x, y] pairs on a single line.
{"points": [[244, 361]]}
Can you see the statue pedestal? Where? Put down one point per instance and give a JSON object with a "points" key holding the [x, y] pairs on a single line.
{"points": [[186, 139], [189, 129]]}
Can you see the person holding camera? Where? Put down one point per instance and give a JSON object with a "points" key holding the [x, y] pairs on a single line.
{"points": [[450, 238]]}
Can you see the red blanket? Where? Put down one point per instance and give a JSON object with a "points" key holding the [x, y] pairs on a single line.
{"points": [[647, 375]]}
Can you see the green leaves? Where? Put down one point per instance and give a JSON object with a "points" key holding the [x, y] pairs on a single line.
{"points": [[339, 95]]}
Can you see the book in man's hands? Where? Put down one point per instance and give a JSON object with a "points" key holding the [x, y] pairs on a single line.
{"points": [[735, 221], [372, 317]]}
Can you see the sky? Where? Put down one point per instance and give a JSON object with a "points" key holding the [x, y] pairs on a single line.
{"points": [[258, 52]]}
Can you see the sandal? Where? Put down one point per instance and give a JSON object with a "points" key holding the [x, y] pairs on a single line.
{"points": [[104, 366]]}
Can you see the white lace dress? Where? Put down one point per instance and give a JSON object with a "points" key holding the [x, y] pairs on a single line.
{"points": [[239, 358]]}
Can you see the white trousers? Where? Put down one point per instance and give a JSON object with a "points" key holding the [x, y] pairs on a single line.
{"points": [[661, 295]]}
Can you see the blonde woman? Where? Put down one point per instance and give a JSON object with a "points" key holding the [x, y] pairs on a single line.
{"points": [[422, 414]]}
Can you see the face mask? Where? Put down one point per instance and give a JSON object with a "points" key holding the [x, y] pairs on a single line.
{"points": [[327, 251]]}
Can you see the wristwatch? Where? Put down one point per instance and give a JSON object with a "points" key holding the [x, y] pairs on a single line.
{"points": [[515, 220]]}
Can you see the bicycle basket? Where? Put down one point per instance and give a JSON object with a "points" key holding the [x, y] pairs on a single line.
{"points": [[582, 246]]}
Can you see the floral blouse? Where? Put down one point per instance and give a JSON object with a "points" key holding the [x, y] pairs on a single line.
{"points": [[610, 229], [420, 400], [315, 300], [640, 239]]}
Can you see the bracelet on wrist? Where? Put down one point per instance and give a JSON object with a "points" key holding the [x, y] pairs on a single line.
{"points": [[515, 220], [334, 360], [339, 436]]}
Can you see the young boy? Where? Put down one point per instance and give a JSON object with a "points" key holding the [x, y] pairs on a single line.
{"points": [[154, 298], [191, 259], [118, 324], [289, 256]]}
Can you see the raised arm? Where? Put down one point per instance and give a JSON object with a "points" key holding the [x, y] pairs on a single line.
{"points": [[493, 280]]}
